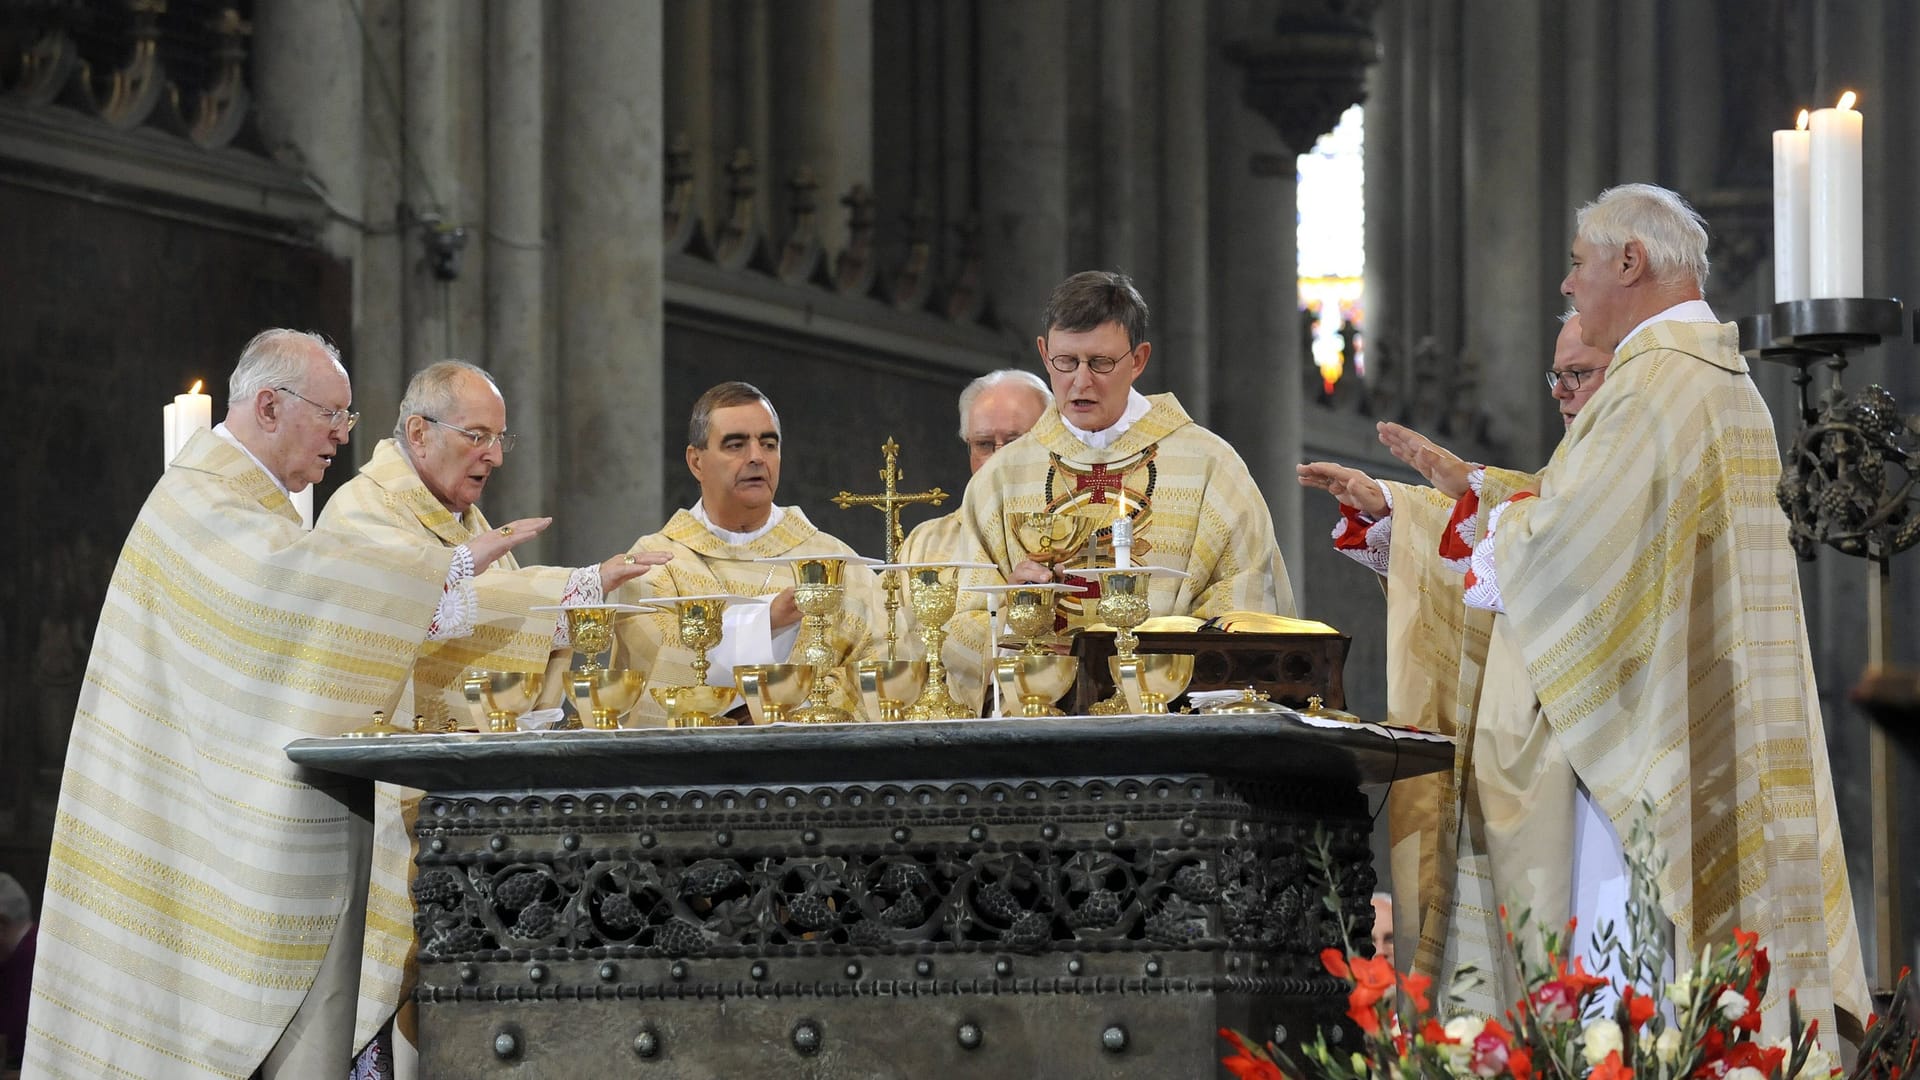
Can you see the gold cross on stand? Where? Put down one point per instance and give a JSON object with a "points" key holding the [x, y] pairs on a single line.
{"points": [[889, 502]]}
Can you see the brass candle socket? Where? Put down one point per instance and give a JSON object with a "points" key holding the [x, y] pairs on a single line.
{"points": [[497, 698], [819, 594], [773, 690], [886, 686], [1035, 681], [934, 595]]}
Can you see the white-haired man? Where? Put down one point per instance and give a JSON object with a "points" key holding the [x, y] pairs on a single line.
{"points": [[204, 898], [421, 488], [995, 409], [1645, 595]]}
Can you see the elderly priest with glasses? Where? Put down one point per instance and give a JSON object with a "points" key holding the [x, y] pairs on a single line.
{"points": [[421, 488], [1103, 449], [204, 899]]}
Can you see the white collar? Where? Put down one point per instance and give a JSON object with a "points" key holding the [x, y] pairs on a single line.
{"points": [[1137, 407], [221, 430], [1684, 311], [699, 512]]}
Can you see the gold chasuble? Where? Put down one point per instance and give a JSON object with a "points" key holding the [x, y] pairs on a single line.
{"points": [[704, 564], [1654, 604], [196, 876], [387, 504], [1194, 508]]}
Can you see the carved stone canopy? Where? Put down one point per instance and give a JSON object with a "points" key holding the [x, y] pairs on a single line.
{"points": [[1310, 69]]}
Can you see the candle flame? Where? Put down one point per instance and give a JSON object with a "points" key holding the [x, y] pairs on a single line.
{"points": [[1801, 124], [196, 387], [1847, 99]]}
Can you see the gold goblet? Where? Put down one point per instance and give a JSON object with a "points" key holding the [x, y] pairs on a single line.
{"points": [[1052, 538], [497, 698], [590, 629], [1036, 681], [1123, 605], [698, 621], [695, 706], [819, 594], [887, 685], [934, 596], [772, 690], [1148, 681], [1030, 615]]}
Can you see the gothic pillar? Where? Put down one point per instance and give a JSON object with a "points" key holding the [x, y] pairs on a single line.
{"points": [[607, 138], [1510, 296], [1385, 178], [517, 347], [427, 126], [690, 95], [1181, 343], [1415, 179], [823, 104], [1444, 209], [379, 335], [308, 60], [1023, 157]]}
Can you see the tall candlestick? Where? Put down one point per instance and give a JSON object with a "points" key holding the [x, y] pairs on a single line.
{"points": [[1790, 202], [1834, 220]]}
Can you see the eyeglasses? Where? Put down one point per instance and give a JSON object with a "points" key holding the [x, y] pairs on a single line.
{"points": [[1099, 365], [988, 445], [481, 440], [1571, 378], [336, 418]]}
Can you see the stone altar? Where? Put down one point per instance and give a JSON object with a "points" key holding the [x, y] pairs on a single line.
{"points": [[881, 900]]}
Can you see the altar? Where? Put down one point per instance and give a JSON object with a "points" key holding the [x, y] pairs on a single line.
{"points": [[907, 899]]}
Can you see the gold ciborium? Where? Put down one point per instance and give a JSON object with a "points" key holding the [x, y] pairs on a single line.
{"points": [[497, 698], [772, 690], [819, 594], [1051, 538], [1035, 681], [886, 686], [1148, 681], [697, 621], [1029, 611]]}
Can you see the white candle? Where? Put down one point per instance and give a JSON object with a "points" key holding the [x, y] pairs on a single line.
{"points": [[1123, 540], [168, 422], [193, 411], [1834, 191], [1790, 149]]}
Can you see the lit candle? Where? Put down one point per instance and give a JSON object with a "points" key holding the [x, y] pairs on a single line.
{"points": [[1834, 194], [1790, 212], [190, 412]]}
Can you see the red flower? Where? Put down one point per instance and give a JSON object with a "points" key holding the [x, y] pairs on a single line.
{"points": [[1746, 942], [1252, 1068], [1416, 986], [1520, 1063], [1491, 1055], [1582, 983], [1556, 1001], [1638, 1008], [1435, 1035], [1611, 1069], [1335, 962], [1753, 1056]]}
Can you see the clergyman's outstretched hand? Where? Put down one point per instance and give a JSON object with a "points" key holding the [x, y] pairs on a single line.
{"points": [[1349, 485], [1442, 469]]}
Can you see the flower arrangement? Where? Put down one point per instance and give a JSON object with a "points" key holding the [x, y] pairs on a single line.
{"points": [[1560, 1030]]}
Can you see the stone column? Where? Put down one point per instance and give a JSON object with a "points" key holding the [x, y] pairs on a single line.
{"points": [[1416, 175], [1635, 62], [379, 336], [1509, 294], [516, 323], [1256, 343], [1385, 178], [428, 179], [1116, 210], [823, 104], [1182, 311], [1443, 103], [690, 94], [1023, 156], [607, 141]]}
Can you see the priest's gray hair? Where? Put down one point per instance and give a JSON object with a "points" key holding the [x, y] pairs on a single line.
{"points": [[995, 378], [435, 391], [1093, 298], [15, 908], [1673, 232], [724, 396], [275, 358]]}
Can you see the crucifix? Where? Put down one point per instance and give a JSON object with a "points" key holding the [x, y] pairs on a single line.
{"points": [[889, 502]]}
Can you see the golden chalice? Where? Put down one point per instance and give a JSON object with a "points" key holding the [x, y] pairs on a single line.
{"points": [[773, 690], [497, 698], [934, 595], [601, 696], [819, 594], [1148, 681], [590, 629], [698, 627], [1141, 683], [1035, 681], [886, 686]]}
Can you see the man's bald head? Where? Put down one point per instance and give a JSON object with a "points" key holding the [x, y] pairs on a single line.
{"points": [[1574, 361]]}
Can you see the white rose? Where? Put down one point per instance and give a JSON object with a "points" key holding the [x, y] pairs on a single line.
{"points": [[1602, 1037], [1680, 988], [1732, 1005], [1666, 1046], [1746, 1072], [1463, 1029]]}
